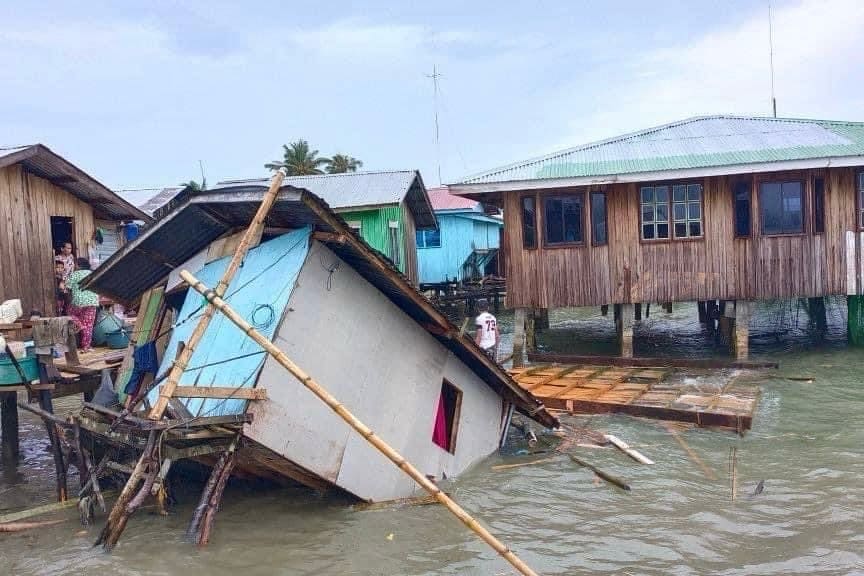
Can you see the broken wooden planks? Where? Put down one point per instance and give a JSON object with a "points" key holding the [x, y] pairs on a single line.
{"points": [[639, 391]]}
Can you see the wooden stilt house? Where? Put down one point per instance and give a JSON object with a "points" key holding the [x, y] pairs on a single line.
{"points": [[46, 201], [718, 208], [343, 313]]}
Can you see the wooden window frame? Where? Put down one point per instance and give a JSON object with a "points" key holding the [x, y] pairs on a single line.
{"points": [[779, 178], [453, 433], [750, 186], [422, 234], [859, 206], [672, 237], [813, 216], [536, 245], [554, 246], [605, 195]]}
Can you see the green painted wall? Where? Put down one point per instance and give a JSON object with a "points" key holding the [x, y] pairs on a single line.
{"points": [[375, 229]]}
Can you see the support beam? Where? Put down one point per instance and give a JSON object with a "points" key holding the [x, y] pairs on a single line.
{"points": [[519, 336], [9, 428], [541, 318], [855, 320], [741, 330], [624, 327], [219, 392]]}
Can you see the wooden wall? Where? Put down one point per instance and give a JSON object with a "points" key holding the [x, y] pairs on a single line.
{"points": [[27, 203], [717, 266]]}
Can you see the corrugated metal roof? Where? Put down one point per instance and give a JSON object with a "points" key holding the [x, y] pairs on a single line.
{"points": [[442, 200], [149, 199], [362, 189], [42, 162], [701, 142]]}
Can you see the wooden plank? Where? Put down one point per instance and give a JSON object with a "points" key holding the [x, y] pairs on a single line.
{"points": [[220, 392], [650, 362]]}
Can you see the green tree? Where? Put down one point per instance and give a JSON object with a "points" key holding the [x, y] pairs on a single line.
{"points": [[194, 186], [299, 160], [341, 163]]}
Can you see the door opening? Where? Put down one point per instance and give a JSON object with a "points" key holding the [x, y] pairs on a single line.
{"points": [[62, 231]]}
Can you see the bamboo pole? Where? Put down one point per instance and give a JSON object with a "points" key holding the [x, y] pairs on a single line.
{"points": [[166, 392], [361, 428]]}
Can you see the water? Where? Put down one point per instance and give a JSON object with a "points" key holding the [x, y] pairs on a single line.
{"points": [[806, 444]]}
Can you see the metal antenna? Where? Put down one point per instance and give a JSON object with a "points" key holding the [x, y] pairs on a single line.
{"points": [[434, 76], [203, 178], [771, 56]]}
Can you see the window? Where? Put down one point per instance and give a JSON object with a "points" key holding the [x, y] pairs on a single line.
{"points": [[563, 220], [687, 210], [598, 218], [655, 212], [447, 417], [781, 205], [429, 238], [819, 206], [529, 222], [393, 242], [686, 202], [741, 191], [861, 199]]}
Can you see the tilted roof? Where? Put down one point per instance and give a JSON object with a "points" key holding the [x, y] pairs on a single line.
{"points": [[40, 161], [201, 218], [150, 200], [353, 190], [695, 143]]}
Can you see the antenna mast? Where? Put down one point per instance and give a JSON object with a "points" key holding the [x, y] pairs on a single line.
{"points": [[771, 56], [434, 76]]}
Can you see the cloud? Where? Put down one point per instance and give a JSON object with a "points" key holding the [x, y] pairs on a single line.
{"points": [[819, 73]]}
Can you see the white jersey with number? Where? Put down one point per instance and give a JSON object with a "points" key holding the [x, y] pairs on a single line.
{"points": [[487, 325]]}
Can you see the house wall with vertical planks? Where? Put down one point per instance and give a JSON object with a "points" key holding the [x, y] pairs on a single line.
{"points": [[27, 204], [716, 266]]}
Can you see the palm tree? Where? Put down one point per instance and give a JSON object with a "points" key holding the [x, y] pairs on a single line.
{"points": [[341, 163], [298, 160], [194, 186]]}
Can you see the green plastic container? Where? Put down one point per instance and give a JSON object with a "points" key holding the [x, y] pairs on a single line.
{"points": [[105, 324], [117, 340], [9, 375]]}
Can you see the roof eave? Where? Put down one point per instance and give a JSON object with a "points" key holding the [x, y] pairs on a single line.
{"points": [[479, 189]]}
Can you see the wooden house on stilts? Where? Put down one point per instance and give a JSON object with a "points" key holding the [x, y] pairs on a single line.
{"points": [[314, 292], [722, 210]]}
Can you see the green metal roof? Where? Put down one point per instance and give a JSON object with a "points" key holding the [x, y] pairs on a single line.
{"points": [[701, 142]]}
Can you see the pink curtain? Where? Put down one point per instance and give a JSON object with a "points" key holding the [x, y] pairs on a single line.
{"points": [[439, 435]]}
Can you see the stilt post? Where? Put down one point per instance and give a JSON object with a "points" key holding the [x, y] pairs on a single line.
{"points": [[361, 428], [741, 330], [9, 427], [624, 327], [855, 319], [519, 344]]}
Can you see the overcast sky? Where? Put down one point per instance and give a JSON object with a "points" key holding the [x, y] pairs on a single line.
{"points": [[136, 96]]}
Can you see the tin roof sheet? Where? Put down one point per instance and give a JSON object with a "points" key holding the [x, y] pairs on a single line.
{"points": [[701, 142], [442, 200]]}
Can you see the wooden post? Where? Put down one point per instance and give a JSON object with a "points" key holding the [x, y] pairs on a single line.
{"points": [[541, 318], [530, 332], [519, 337], [702, 311], [624, 327], [253, 233], [361, 428], [739, 339], [9, 428], [46, 403]]}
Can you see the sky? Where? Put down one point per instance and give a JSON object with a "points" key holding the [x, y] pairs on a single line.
{"points": [[137, 93]]}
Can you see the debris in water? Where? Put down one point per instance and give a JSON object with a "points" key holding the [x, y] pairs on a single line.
{"points": [[759, 488]]}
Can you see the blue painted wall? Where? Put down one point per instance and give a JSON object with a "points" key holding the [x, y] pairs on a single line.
{"points": [[259, 292], [461, 233]]}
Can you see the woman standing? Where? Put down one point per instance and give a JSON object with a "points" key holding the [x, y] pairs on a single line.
{"points": [[84, 303]]}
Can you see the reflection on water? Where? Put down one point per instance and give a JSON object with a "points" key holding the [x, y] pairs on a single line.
{"points": [[806, 444]]}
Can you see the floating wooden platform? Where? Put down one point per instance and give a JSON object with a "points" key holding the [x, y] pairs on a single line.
{"points": [[663, 393]]}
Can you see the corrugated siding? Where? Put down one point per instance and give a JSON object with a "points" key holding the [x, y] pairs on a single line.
{"points": [[112, 239], [692, 143], [375, 229], [267, 278], [460, 235]]}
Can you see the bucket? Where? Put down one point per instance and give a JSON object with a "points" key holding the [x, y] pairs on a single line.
{"points": [[104, 325], [117, 339], [9, 375]]}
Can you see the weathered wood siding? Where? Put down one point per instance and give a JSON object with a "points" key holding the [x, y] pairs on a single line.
{"points": [[717, 266], [27, 204], [408, 230]]}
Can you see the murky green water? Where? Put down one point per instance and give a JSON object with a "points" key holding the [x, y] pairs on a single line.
{"points": [[807, 445]]}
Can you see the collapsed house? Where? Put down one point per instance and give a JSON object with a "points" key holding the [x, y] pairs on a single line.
{"points": [[337, 308]]}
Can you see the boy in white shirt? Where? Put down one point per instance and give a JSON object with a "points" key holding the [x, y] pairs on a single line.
{"points": [[487, 336]]}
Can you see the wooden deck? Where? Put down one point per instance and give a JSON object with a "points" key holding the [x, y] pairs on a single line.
{"points": [[662, 393]]}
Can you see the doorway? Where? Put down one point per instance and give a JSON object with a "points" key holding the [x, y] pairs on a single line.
{"points": [[62, 231]]}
